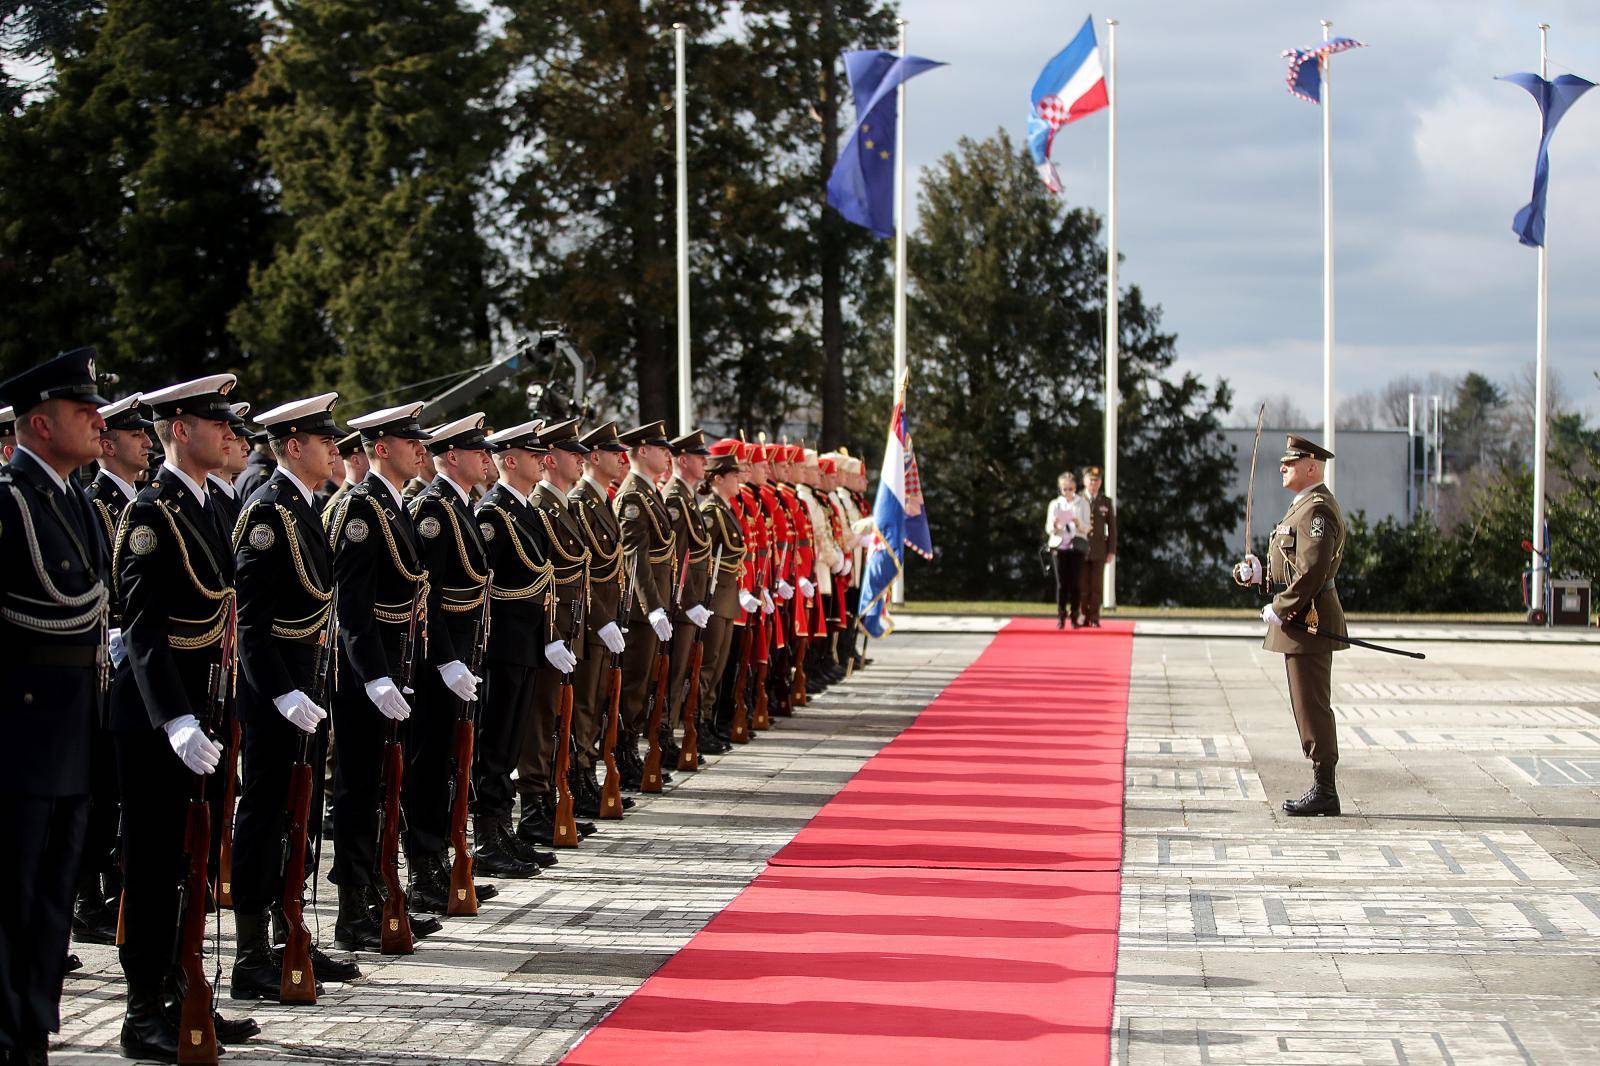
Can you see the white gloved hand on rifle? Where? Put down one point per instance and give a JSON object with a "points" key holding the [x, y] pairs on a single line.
{"points": [[785, 590], [767, 606], [387, 698], [698, 615], [199, 753], [807, 589], [749, 602], [300, 712], [558, 656], [658, 622], [611, 637], [459, 680]]}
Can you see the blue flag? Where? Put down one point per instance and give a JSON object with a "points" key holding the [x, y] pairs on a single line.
{"points": [[861, 187], [1305, 67], [1553, 98]]}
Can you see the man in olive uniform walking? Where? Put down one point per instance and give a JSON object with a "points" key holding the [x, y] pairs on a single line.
{"points": [[1304, 611], [1102, 536]]}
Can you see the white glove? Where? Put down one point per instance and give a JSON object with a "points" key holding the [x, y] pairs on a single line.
{"points": [[460, 680], [559, 656], [698, 615], [807, 589], [1269, 616], [767, 606], [117, 648], [297, 707], [199, 753], [387, 699], [847, 568], [1248, 572], [611, 636], [748, 602], [785, 590], [658, 622]]}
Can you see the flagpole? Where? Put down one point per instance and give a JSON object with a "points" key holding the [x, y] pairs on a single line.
{"points": [[1113, 330], [1541, 383], [899, 594], [1327, 254], [680, 107]]}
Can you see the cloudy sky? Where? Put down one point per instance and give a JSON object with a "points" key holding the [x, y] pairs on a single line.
{"points": [[1218, 176]]}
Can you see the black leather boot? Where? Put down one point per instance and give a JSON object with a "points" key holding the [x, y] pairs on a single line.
{"points": [[423, 893], [585, 793], [93, 921], [148, 1030], [256, 970], [328, 968], [521, 848], [492, 855], [1322, 799], [356, 928]]}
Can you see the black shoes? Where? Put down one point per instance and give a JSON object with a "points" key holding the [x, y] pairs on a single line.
{"points": [[93, 920], [425, 894], [495, 855], [148, 1030], [1322, 799], [356, 928], [257, 970]]}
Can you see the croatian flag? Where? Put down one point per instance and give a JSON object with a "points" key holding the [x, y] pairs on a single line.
{"points": [[898, 522], [1072, 85], [1305, 66]]}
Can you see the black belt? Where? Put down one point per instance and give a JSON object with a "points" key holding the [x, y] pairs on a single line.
{"points": [[72, 656]]}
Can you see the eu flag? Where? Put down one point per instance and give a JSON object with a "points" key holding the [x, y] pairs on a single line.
{"points": [[861, 187]]}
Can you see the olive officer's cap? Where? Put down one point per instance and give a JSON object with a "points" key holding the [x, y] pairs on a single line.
{"points": [[69, 376], [603, 438], [392, 422], [205, 397], [691, 443], [1301, 448], [563, 436], [464, 433], [126, 413], [349, 444], [646, 433], [525, 436], [311, 416], [1091, 471], [722, 463]]}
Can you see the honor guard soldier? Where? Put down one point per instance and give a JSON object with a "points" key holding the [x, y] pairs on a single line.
{"points": [[219, 483], [689, 454], [650, 558], [124, 453], [455, 556], [734, 596], [590, 503], [1304, 611], [519, 558], [284, 576], [827, 561], [56, 601], [258, 461], [380, 594], [174, 574], [561, 638], [1102, 536], [356, 467]]}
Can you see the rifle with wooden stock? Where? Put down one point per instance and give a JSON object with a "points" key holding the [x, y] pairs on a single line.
{"points": [[197, 1036], [564, 826], [298, 983], [656, 708], [689, 756], [463, 901], [230, 798], [394, 928], [611, 787]]}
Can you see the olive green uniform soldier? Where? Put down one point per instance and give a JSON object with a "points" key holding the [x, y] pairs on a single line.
{"points": [[1304, 611], [1102, 536], [689, 454], [650, 558]]}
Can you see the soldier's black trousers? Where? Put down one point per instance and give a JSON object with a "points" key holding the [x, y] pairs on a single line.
{"points": [[41, 838], [430, 736], [358, 730], [504, 716], [100, 835], [156, 789], [260, 825]]}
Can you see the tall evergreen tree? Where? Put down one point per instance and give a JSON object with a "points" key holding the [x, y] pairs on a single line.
{"points": [[1006, 320], [379, 123], [133, 195]]}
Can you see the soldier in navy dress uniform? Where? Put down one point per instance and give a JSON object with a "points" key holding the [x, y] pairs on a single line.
{"points": [[124, 453], [8, 434], [356, 466], [454, 555], [518, 552], [174, 575], [285, 582], [219, 483], [379, 579], [56, 599]]}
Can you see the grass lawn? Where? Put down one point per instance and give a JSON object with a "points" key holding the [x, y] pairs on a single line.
{"points": [[1010, 608]]}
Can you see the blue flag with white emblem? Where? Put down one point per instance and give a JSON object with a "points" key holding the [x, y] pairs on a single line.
{"points": [[1554, 99], [861, 187]]}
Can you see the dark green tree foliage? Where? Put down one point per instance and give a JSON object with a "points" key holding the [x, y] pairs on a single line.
{"points": [[32, 31], [1005, 331], [378, 122], [133, 197]]}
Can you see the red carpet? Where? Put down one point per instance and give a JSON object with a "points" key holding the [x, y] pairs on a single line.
{"points": [[956, 902]]}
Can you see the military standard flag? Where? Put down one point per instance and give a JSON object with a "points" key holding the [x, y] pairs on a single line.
{"points": [[898, 520]]}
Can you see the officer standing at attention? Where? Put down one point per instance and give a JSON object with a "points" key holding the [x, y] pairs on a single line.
{"points": [[454, 554], [1102, 535], [174, 574], [56, 602], [590, 503], [219, 483], [689, 455], [650, 557], [379, 580], [734, 596], [285, 581], [356, 466], [1303, 560]]}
